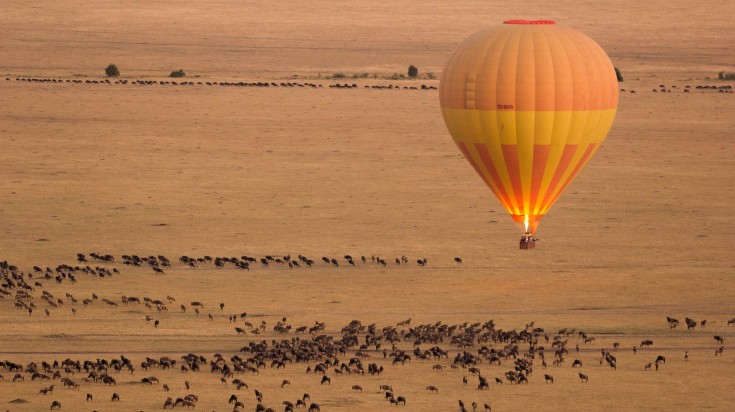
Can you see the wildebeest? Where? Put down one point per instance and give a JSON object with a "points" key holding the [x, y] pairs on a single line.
{"points": [[357, 388], [55, 405], [548, 378], [326, 379], [583, 377], [432, 388], [646, 343]]}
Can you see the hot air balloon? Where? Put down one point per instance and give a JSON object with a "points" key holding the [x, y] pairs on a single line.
{"points": [[528, 103]]}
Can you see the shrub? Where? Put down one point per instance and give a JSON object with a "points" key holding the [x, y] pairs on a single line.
{"points": [[412, 71], [112, 71], [178, 73], [726, 76], [618, 75], [339, 76]]}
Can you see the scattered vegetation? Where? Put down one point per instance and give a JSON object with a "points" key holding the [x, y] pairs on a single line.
{"points": [[112, 71], [178, 73], [726, 76]]}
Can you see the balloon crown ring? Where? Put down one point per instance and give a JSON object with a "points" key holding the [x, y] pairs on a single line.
{"points": [[529, 22]]}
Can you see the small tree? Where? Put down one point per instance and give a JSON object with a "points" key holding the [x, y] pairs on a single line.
{"points": [[178, 73], [413, 72], [112, 71], [618, 75]]}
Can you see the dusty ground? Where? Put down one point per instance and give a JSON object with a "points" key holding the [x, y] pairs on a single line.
{"points": [[644, 232]]}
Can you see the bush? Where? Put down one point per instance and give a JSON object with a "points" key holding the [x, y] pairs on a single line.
{"points": [[726, 76], [413, 72], [618, 75], [339, 76], [178, 73], [112, 71]]}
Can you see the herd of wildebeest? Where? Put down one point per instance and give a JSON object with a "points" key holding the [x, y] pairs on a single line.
{"points": [[307, 84], [481, 353], [149, 82]]}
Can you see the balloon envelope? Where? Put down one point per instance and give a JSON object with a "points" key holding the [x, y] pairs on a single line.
{"points": [[528, 103]]}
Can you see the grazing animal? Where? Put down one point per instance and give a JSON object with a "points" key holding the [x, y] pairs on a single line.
{"points": [[89, 397], [549, 378], [401, 400], [577, 363], [660, 359], [284, 383], [357, 388], [115, 397], [55, 405], [314, 407], [583, 377], [432, 388], [646, 343], [648, 366], [326, 379]]}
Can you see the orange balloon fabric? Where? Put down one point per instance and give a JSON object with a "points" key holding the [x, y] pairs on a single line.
{"points": [[528, 103]]}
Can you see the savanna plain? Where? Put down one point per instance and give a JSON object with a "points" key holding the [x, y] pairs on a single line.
{"points": [[305, 170]]}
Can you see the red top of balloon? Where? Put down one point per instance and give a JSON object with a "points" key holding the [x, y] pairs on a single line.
{"points": [[529, 22]]}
